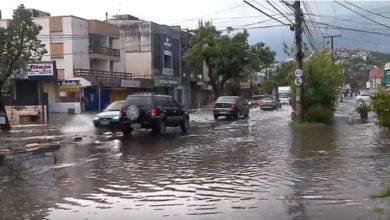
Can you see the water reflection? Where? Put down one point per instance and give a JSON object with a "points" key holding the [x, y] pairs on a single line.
{"points": [[257, 168]]}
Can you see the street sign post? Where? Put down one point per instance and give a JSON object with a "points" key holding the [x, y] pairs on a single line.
{"points": [[298, 73], [298, 81]]}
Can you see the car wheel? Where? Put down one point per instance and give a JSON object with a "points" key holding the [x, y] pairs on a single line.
{"points": [[237, 115], [161, 127], [127, 131], [216, 117], [185, 125]]}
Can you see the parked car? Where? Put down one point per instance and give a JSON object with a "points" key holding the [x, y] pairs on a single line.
{"points": [[269, 103], [255, 101], [151, 111], [109, 117], [363, 97], [230, 106]]}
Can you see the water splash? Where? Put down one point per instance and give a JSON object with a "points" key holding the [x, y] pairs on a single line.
{"points": [[80, 124]]}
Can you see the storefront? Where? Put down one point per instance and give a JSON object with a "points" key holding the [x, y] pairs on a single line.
{"points": [[70, 96], [165, 85]]}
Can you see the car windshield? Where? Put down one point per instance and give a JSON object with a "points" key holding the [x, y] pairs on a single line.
{"points": [[115, 106], [284, 95], [267, 98], [227, 99]]}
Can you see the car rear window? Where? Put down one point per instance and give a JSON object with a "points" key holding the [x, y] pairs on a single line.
{"points": [[139, 101], [267, 98], [115, 106], [256, 97], [227, 99]]}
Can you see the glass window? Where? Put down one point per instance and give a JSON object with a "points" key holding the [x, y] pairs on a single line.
{"points": [[227, 99], [172, 103], [115, 106]]}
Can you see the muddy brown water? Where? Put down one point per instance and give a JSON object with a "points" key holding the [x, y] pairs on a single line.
{"points": [[256, 168]]}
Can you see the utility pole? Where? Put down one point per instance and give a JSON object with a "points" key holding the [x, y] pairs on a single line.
{"points": [[299, 60], [331, 43]]}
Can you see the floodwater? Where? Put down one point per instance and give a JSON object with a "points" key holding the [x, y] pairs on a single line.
{"points": [[256, 168]]}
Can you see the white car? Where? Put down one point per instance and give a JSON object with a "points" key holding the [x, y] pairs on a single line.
{"points": [[363, 97]]}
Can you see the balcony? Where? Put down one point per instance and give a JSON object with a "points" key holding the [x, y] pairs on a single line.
{"points": [[103, 78], [104, 53]]}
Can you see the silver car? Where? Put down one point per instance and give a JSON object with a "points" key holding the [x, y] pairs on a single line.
{"points": [[230, 106]]}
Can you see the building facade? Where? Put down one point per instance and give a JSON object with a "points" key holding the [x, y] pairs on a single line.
{"points": [[153, 51], [90, 63]]}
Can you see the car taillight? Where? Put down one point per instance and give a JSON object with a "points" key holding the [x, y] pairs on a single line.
{"points": [[153, 112], [232, 106], [122, 111]]}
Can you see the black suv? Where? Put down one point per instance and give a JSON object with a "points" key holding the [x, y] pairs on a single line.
{"points": [[150, 111]]}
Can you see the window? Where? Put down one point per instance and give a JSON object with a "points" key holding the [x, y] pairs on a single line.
{"points": [[172, 103], [161, 102]]}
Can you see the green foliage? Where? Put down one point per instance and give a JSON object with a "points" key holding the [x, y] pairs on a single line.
{"points": [[234, 89], [322, 79], [18, 46], [381, 106], [227, 57], [284, 74], [261, 56], [363, 107], [268, 86], [19, 43], [319, 114], [383, 193]]}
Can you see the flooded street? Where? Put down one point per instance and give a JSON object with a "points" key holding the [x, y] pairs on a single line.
{"points": [[256, 168]]}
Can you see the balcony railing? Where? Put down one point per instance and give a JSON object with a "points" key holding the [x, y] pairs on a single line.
{"points": [[103, 78], [105, 51]]}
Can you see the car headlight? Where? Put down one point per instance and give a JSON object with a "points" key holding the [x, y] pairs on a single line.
{"points": [[116, 117], [95, 118]]}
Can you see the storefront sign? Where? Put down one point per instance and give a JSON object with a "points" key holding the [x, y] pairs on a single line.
{"points": [[386, 78], [125, 83], [163, 81], [167, 46], [69, 85], [40, 69]]}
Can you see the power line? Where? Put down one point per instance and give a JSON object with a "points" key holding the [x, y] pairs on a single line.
{"points": [[273, 6], [212, 13], [362, 15], [264, 13], [377, 14], [330, 26]]}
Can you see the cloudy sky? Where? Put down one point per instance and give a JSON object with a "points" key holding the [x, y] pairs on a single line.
{"points": [[236, 14]]}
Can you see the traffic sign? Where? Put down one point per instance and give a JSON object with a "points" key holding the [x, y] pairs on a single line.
{"points": [[298, 73], [298, 81]]}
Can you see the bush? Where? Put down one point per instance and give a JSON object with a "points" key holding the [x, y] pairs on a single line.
{"points": [[381, 105], [319, 114]]}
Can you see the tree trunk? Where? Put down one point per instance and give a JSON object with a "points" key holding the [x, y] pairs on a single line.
{"points": [[213, 82], [7, 126]]}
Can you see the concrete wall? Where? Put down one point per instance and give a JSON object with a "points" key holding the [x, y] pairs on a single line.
{"points": [[51, 89], [135, 35], [44, 36], [79, 46], [139, 63]]}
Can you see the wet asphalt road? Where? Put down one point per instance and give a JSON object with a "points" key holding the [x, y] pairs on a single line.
{"points": [[256, 168]]}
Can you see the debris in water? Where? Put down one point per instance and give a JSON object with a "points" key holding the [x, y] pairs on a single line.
{"points": [[78, 139]]}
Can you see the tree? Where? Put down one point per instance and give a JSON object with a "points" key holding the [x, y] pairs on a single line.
{"points": [[261, 57], [225, 56], [268, 86], [284, 74], [322, 79], [18, 46], [381, 105]]}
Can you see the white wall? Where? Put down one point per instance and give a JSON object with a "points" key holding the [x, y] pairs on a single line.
{"points": [[50, 88], [44, 36], [80, 45], [139, 63]]}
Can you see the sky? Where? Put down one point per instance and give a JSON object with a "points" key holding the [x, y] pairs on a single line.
{"points": [[236, 14]]}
